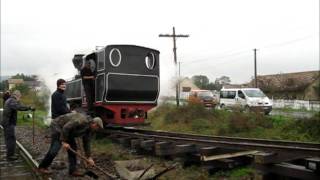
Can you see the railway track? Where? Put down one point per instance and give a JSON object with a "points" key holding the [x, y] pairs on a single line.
{"points": [[292, 147], [18, 169], [285, 158]]}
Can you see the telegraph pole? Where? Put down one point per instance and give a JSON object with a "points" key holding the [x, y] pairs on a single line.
{"points": [[174, 36], [255, 68], [179, 76]]}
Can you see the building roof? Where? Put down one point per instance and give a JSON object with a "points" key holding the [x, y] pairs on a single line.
{"points": [[296, 81], [15, 81], [187, 82]]}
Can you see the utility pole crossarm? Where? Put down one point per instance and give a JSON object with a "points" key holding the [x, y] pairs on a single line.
{"points": [[170, 35]]}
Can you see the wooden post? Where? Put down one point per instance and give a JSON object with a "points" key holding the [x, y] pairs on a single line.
{"points": [[33, 127]]}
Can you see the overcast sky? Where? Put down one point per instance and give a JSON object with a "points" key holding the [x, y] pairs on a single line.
{"points": [[41, 37]]}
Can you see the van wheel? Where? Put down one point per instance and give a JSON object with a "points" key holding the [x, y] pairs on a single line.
{"points": [[222, 106]]}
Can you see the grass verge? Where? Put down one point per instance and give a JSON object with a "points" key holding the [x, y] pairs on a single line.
{"points": [[196, 119], [24, 118]]}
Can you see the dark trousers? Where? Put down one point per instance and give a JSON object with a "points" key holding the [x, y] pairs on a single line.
{"points": [[54, 150], [10, 139], [89, 91]]}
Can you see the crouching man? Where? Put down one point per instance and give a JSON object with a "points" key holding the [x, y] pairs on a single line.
{"points": [[64, 131]]}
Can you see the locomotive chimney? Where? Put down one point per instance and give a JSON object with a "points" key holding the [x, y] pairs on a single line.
{"points": [[78, 61]]}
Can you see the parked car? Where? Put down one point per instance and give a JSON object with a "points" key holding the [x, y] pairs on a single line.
{"points": [[246, 99], [204, 97]]}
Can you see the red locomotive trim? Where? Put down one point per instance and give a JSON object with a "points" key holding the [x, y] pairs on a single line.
{"points": [[125, 114]]}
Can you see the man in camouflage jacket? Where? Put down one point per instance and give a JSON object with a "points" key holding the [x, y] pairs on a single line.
{"points": [[65, 129]]}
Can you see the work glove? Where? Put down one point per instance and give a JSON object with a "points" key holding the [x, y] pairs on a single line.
{"points": [[32, 108]]}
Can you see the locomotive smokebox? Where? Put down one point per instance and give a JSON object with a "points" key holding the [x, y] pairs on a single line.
{"points": [[78, 61]]}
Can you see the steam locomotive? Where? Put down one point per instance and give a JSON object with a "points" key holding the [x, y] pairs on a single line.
{"points": [[127, 83]]}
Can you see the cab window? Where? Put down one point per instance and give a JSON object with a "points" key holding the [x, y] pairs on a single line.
{"points": [[224, 94], [231, 94], [241, 95]]}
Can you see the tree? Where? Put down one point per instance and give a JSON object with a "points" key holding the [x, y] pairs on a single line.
{"points": [[201, 81], [211, 86], [4, 85], [24, 77], [223, 80], [23, 88], [1, 86]]}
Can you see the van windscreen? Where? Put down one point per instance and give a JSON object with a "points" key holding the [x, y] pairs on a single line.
{"points": [[254, 93]]}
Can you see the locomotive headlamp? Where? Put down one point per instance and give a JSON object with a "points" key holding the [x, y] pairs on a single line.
{"points": [[115, 57], [150, 61]]}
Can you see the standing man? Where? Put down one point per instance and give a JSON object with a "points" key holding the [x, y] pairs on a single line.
{"points": [[64, 130], [59, 100], [88, 84], [9, 122]]}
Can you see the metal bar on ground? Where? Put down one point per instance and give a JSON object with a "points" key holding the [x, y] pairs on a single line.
{"points": [[144, 172], [229, 155], [97, 167]]}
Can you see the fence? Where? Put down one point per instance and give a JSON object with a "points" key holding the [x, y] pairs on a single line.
{"points": [[297, 104]]}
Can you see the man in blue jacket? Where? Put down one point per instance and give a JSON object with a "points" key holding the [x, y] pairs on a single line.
{"points": [[11, 106], [59, 100]]}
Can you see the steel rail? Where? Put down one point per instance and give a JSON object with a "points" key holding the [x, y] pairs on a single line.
{"points": [[219, 138], [225, 142], [27, 157]]}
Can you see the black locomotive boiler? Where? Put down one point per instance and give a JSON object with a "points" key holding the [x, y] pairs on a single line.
{"points": [[127, 83]]}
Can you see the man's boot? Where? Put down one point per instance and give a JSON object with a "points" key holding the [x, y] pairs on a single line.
{"points": [[44, 171], [77, 173]]}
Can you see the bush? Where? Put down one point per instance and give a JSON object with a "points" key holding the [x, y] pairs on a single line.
{"points": [[37, 99], [160, 110], [200, 125], [240, 122], [188, 113], [310, 126]]}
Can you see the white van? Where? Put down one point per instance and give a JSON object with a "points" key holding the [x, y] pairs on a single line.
{"points": [[245, 98]]}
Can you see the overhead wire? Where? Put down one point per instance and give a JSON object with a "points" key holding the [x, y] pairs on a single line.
{"points": [[289, 42], [238, 53]]}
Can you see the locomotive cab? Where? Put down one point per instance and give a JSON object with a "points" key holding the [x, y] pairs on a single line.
{"points": [[127, 83]]}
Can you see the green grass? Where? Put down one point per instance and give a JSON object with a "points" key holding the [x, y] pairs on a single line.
{"points": [[39, 118], [235, 174], [287, 109], [197, 119]]}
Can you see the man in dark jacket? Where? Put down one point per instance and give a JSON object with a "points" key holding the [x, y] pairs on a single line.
{"points": [[9, 122], [65, 129], [88, 84], [59, 100]]}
